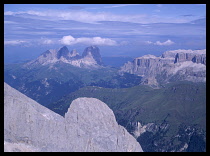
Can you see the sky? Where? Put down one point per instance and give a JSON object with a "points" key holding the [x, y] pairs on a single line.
{"points": [[117, 29]]}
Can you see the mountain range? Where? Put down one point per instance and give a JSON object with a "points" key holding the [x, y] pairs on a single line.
{"points": [[50, 76], [161, 101], [90, 58], [171, 66]]}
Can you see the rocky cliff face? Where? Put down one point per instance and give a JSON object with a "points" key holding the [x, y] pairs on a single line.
{"points": [[94, 52], [170, 66], [196, 56], [90, 58], [89, 125]]}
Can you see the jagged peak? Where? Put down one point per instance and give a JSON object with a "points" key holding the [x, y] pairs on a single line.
{"points": [[94, 52], [64, 51], [64, 47], [53, 50], [90, 58]]}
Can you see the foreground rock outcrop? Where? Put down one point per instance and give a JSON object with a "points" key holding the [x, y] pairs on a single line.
{"points": [[175, 65], [89, 125]]}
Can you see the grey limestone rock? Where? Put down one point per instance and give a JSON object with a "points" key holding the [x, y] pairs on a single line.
{"points": [[90, 58], [94, 52], [74, 54], [173, 65], [89, 125]]}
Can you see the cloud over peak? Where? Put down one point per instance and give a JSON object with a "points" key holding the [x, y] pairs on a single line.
{"points": [[70, 40], [65, 40]]}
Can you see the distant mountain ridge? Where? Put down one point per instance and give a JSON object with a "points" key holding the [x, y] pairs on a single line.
{"points": [[91, 57], [175, 65]]}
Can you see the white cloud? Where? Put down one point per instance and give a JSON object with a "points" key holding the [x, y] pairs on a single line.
{"points": [[8, 13], [70, 40], [46, 41], [168, 42], [14, 42], [148, 42], [35, 32], [103, 41], [92, 17], [67, 40], [10, 22]]}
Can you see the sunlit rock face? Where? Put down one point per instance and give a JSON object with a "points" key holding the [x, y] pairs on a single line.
{"points": [[89, 125], [91, 57], [171, 66]]}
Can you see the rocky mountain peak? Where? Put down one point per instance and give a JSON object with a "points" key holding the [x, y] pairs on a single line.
{"points": [[74, 53], [63, 52], [90, 58], [94, 52], [88, 126]]}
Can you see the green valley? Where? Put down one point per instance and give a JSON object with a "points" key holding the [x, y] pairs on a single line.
{"points": [[175, 104]]}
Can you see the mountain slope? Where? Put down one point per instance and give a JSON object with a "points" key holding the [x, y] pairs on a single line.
{"points": [[48, 83], [166, 109], [89, 125]]}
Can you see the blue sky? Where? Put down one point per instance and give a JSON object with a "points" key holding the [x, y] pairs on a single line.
{"points": [[117, 29]]}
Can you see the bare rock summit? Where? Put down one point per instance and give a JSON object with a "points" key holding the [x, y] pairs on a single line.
{"points": [[90, 58]]}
